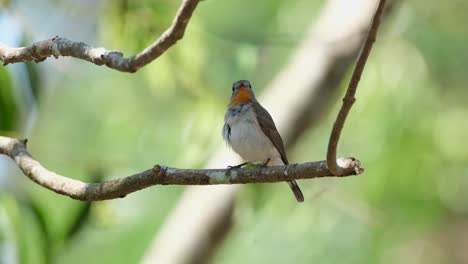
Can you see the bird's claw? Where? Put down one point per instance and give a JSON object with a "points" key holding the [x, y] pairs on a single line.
{"points": [[238, 166], [250, 164]]}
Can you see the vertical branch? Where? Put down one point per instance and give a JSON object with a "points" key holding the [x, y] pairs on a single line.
{"points": [[349, 98]]}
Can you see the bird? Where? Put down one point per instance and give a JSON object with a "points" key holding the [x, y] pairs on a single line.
{"points": [[251, 132]]}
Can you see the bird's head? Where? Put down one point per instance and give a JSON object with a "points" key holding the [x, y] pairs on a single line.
{"points": [[241, 93]]}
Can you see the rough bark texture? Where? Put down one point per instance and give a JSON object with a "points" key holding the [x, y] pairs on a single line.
{"points": [[57, 47], [160, 175]]}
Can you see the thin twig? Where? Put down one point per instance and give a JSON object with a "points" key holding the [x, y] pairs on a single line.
{"points": [[56, 47], [161, 175], [349, 98]]}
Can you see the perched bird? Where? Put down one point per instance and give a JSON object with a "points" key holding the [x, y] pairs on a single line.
{"points": [[251, 132]]}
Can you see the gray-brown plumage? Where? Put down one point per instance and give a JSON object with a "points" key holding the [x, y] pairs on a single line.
{"points": [[269, 128], [251, 132]]}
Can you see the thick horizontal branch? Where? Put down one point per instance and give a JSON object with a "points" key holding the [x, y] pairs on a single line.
{"points": [[161, 175], [56, 47]]}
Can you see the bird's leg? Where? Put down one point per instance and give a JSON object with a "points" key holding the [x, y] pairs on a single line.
{"points": [[258, 165], [239, 166], [266, 163], [250, 164]]}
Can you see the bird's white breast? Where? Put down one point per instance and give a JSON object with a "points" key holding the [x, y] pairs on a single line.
{"points": [[247, 138]]}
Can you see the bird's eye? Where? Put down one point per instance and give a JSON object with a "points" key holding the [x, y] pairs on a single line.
{"points": [[233, 88]]}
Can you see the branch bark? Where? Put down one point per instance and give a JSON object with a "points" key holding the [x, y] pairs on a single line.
{"points": [[349, 98], [160, 175], [57, 46]]}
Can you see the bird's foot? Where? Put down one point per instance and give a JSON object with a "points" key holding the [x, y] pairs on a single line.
{"points": [[250, 165], [260, 165], [239, 166]]}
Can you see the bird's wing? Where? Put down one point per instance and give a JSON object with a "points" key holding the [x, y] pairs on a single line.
{"points": [[268, 127]]}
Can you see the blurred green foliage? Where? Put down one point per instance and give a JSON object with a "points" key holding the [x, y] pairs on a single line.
{"points": [[8, 108], [408, 127]]}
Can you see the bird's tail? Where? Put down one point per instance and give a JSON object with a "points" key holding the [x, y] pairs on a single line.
{"points": [[296, 190]]}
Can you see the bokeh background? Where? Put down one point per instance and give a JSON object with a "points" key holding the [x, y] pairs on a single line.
{"points": [[409, 129]]}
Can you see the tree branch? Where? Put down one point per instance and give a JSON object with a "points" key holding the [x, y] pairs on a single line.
{"points": [[349, 98], [161, 175], [56, 47]]}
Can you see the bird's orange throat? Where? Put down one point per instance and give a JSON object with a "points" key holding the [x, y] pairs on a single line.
{"points": [[242, 96]]}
